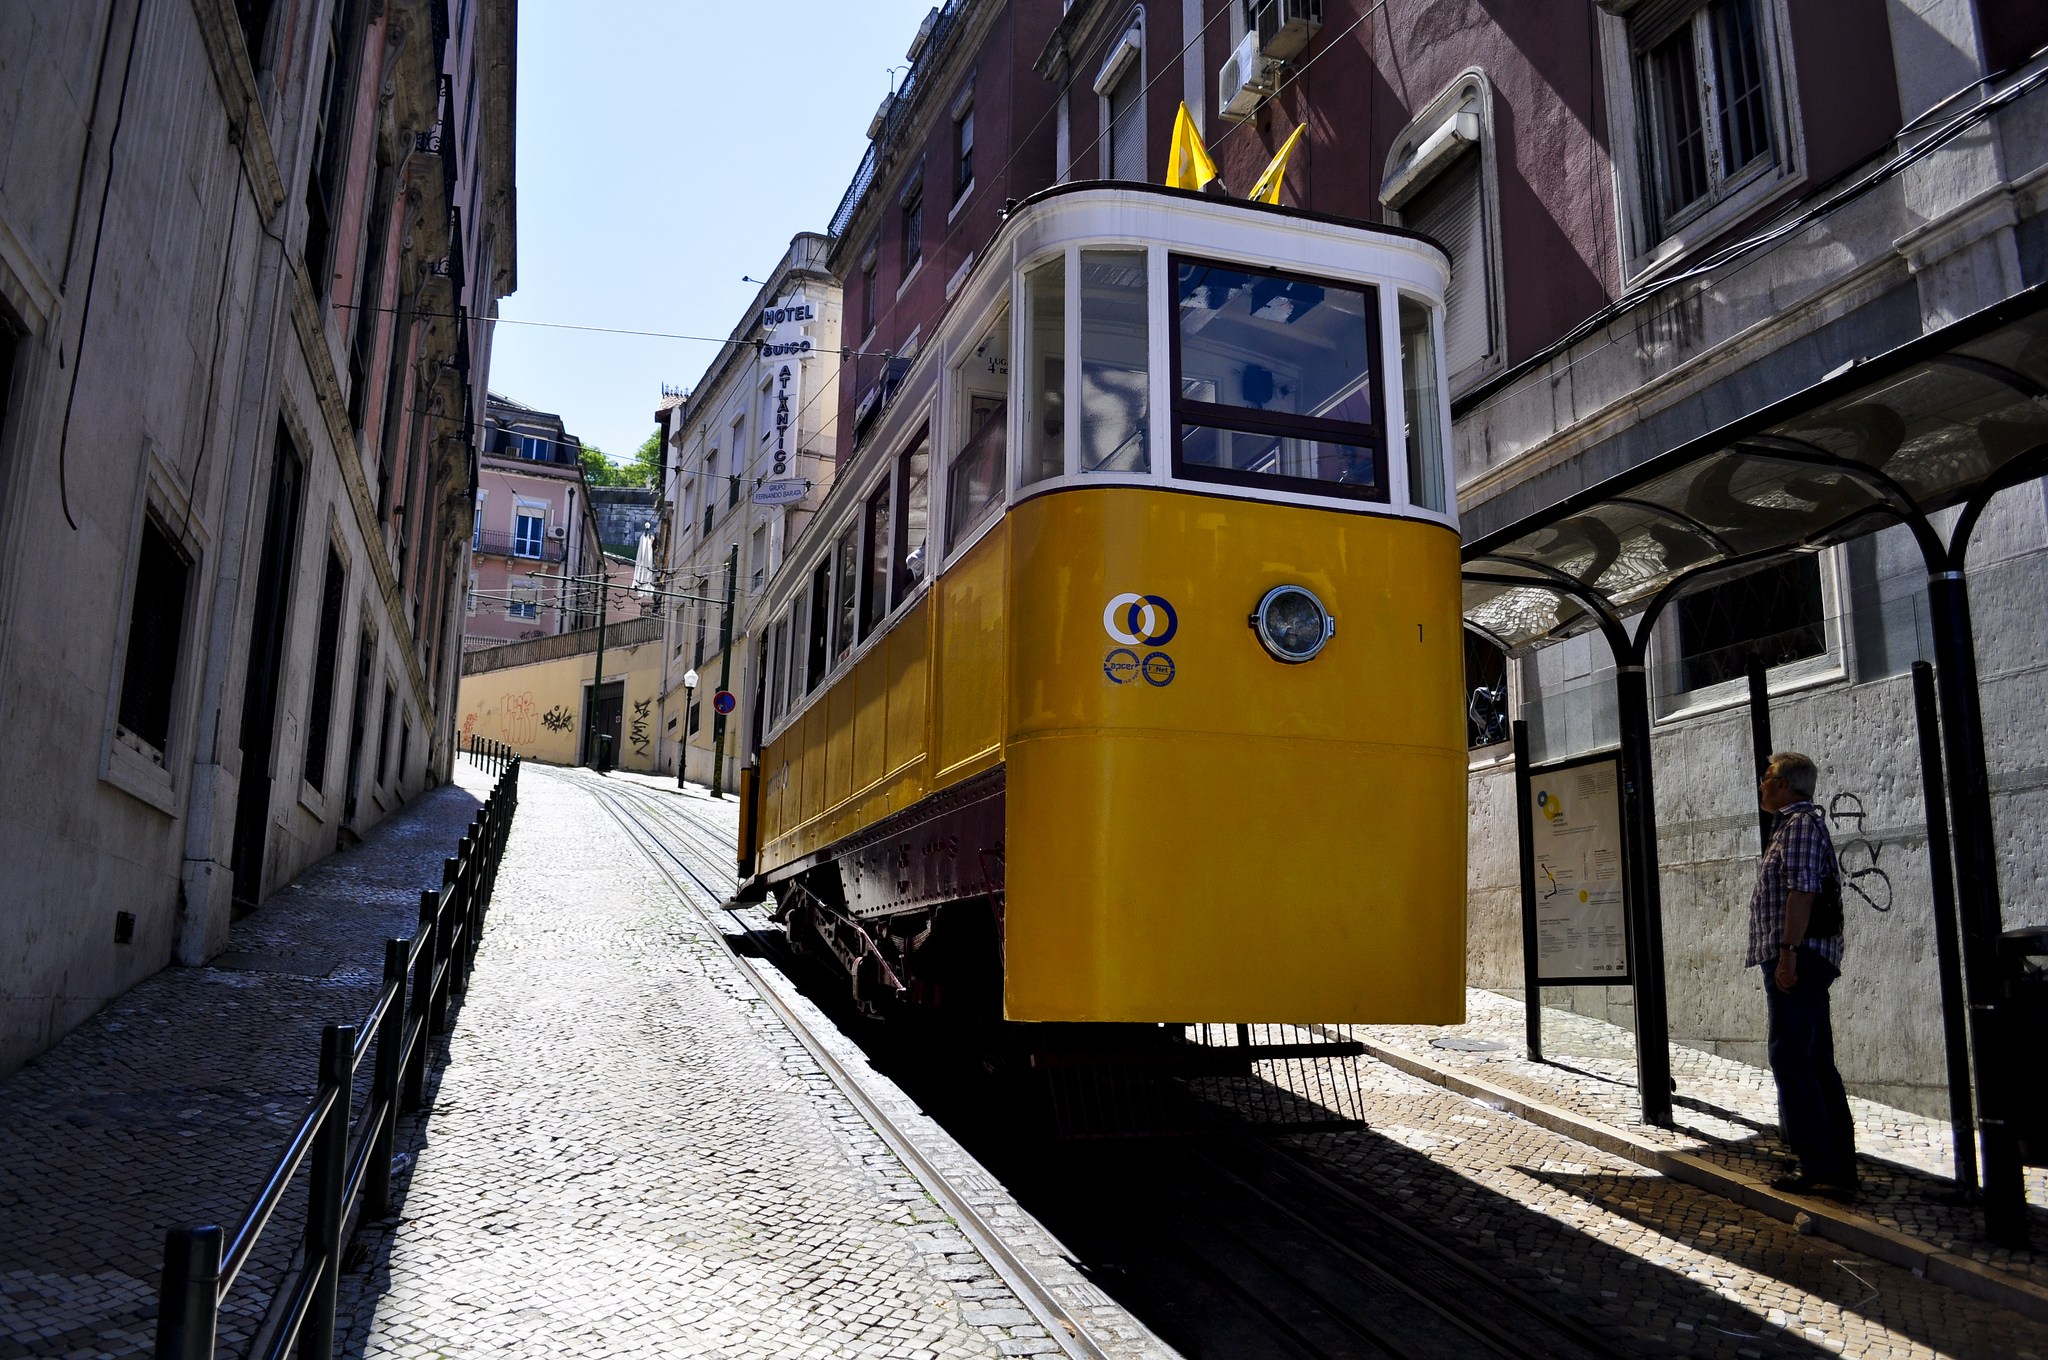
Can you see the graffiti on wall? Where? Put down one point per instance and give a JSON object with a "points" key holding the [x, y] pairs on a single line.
{"points": [[558, 719], [518, 719], [468, 726], [1857, 854], [637, 733]]}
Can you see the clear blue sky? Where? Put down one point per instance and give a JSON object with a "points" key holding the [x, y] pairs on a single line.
{"points": [[665, 148]]}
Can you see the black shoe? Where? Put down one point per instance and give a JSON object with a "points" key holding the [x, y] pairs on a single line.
{"points": [[1794, 1182]]}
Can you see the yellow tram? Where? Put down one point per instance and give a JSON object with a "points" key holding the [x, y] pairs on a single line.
{"points": [[1119, 677]]}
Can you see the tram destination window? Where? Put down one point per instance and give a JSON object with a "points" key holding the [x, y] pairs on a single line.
{"points": [[1114, 382], [845, 560], [874, 567], [974, 479], [1425, 409], [1274, 381]]}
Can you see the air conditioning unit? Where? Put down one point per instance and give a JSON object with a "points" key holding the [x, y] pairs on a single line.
{"points": [[1285, 27], [1246, 78], [559, 531]]}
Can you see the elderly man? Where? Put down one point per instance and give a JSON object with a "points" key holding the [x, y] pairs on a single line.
{"points": [[1800, 953]]}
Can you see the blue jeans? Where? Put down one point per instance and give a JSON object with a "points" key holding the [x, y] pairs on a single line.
{"points": [[1813, 1109]]}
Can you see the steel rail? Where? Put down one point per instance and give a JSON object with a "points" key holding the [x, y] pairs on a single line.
{"points": [[258, 1217], [1045, 1307]]}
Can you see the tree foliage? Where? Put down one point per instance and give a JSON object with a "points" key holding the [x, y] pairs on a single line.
{"points": [[642, 470]]}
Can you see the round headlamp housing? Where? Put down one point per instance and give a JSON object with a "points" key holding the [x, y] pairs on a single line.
{"points": [[1292, 624]]}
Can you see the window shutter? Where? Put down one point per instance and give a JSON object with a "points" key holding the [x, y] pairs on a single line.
{"points": [[1126, 127], [1652, 21], [1452, 212]]}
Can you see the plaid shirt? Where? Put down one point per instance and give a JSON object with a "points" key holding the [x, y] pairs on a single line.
{"points": [[1801, 851]]}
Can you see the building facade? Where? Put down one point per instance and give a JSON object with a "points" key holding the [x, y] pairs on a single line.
{"points": [[748, 456], [534, 524], [1661, 215], [249, 257]]}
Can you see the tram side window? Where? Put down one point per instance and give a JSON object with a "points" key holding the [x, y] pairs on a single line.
{"points": [[821, 612], [1274, 381], [974, 479], [1114, 384], [874, 567], [845, 558], [778, 667], [1045, 372], [1419, 389], [913, 515]]}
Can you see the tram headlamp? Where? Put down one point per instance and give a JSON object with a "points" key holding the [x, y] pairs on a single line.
{"points": [[1292, 624]]}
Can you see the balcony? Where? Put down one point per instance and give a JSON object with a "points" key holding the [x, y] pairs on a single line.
{"points": [[525, 549]]}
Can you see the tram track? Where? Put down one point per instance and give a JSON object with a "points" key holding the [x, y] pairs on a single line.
{"points": [[1039, 1298], [1235, 1246]]}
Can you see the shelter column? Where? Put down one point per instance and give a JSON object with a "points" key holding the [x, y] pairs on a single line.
{"points": [[1646, 929]]}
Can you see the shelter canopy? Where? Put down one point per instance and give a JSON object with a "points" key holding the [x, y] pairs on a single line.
{"points": [[1948, 419]]}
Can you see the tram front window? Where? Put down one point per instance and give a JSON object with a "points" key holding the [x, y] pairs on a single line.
{"points": [[1274, 381]]}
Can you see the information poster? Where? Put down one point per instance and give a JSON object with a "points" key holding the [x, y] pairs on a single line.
{"points": [[1581, 907]]}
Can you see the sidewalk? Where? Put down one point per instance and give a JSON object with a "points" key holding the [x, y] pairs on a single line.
{"points": [[1726, 1139], [171, 1105]]}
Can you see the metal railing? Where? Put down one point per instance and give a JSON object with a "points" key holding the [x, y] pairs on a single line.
{"points": [[532, 549], [422, 976], [900, 106]]}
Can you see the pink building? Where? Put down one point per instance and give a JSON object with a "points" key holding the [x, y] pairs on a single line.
{"points": [[534, 524]]}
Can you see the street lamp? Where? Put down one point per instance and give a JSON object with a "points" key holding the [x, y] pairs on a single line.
{"points": [[690, 711]]}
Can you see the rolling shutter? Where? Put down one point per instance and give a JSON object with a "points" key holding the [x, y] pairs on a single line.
{"points": [[1452, 211], [1126, 126]]}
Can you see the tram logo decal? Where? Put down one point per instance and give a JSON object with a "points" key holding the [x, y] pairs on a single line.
{"points": [[1140, 620], [1140, 623]]}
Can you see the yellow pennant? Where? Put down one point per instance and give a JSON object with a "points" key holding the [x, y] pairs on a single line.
{"points": [[1267, 190], [1187, 163]]}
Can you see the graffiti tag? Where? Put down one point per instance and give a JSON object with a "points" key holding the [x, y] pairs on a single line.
{"points": [[518, 719], [557, 719], [637, 734], [1857, 855]]}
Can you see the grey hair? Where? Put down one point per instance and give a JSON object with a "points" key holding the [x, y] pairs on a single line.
{"points": [[1798, 771]]}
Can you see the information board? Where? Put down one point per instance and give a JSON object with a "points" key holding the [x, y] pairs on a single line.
{"points": [[1580, 902]]}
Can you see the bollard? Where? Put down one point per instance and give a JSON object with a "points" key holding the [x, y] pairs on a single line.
{"points": [[188, 1298], [423, 997], [328, 1178], [384, 1087], [444, 944]]}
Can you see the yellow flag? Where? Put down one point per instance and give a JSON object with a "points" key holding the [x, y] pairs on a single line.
{"points": [[1187, 163], [1267, 190]]}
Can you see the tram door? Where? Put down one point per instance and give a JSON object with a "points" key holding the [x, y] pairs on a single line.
{"points": [[605, 712]]}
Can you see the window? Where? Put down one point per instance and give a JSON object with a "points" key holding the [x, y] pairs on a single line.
{"points": [[1121, 84], [874, 563], [1114, 383], [1045, 370], [529, 527], [696, 717], [974, 479], [867, 293], [913, 223], [1775, 614], [778, 667], [1424, 405], [156, 626], [757, 553], [710, 487], [821, 609], [524, 604], [254, 16], [1274, 381], [476, 525], [844, 557], [331, 140], [703, 625], [1439, 181], [913, 516], [534, 448], [1698, 98], [319, 720], [963, 153], [739, 457]]}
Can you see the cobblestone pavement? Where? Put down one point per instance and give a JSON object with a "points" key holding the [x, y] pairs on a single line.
{"points": [[1726, 1112], [630, 1155], [170, 1105]]}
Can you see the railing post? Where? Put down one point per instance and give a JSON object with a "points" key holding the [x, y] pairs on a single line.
{"points": [[324, 1209], [188, 1296], [444, 944], [384, 1088], [423, 997]]}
